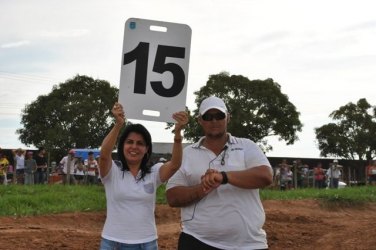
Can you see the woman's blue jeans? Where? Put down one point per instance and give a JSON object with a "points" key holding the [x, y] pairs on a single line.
{"points": [[113, 245]]}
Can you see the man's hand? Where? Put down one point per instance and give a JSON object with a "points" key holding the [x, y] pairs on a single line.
{"points": [[211, 180]]}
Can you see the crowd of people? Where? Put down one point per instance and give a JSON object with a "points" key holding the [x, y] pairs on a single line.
{"points": [[29, 168], [299, 175], [76, 170]]}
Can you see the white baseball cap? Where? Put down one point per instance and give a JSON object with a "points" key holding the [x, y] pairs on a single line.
{"points": [[162, 159], [212, 102]]}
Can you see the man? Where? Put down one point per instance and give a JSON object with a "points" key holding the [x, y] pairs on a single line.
{"points": [[217, 187], [371, 172], [40, 174], [301, 173], [333, 174], [19, 161], [4, 163], [68, 162]]}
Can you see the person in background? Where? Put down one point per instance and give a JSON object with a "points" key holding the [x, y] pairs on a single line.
{"points": [[79, 171], [91, 166], [304, 172], [131, 183], [371, 173], [163, 160], [301, 173], [41, 160], [19, 162], [217, 187], [286, 177], [30, 167], [319, 176], [280, 173], [333, 174], [4, 163], [67, 163]]}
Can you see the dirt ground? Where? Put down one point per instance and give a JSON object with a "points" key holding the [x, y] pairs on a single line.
{"points": [[289, 225]]}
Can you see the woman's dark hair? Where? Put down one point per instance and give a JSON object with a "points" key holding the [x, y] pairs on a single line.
{"points": [[139, 129]]}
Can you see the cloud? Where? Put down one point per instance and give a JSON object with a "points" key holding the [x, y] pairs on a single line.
{"points": [[339, 63], [65, 33], [273, 37], [15, 44], [28, 59], [369, 25]]}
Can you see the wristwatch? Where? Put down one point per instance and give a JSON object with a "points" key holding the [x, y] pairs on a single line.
{"points": [[224, 177]]}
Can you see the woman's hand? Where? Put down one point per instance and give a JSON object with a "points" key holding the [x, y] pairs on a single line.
{"points": [[118, 113], [170, 167]]}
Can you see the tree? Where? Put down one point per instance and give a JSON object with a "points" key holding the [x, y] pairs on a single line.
{"points": [[258, 109], [74, 115], [353, 135]]}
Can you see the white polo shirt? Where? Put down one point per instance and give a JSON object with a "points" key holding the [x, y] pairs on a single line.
{"points": [[228, 217], [20, 161], [65, 162], [130, 205], [333, 172]]}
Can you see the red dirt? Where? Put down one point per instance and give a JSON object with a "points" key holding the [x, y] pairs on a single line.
{"points": [[289, 225]]}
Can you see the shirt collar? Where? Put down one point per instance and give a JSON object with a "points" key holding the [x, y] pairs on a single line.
{"points": [[231, 140]]}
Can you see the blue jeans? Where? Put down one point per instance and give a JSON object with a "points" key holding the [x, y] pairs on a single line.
{"points": [[113, 245], [334, 183], [39, 177]]}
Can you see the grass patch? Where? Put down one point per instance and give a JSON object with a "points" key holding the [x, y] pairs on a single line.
{"points": [[333, 202], [161, 197], [345, 197], [20, 200]]}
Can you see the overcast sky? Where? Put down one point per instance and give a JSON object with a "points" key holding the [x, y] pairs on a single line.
{"points": [[322, 53]]}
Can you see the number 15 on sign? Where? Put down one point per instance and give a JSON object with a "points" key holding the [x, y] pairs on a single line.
{"points": [[154, 70]]}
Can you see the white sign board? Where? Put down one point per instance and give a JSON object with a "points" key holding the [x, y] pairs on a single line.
{"points": [[154, 70]]}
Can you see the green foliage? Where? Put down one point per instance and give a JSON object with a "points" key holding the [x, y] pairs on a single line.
{"points": [[345, 197], [74, 115], [258, 109], [17, 200], [353, 135], [161, 197]]}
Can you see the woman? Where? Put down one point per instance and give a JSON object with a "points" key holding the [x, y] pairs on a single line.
{"points": [[92, 169], [79, 171], [131, 184], [319, 176]]}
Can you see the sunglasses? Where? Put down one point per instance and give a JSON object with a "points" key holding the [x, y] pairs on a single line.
{"points": [[210, 117]]}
